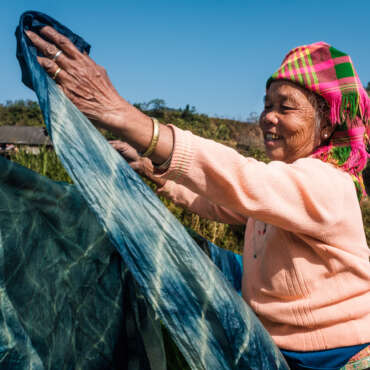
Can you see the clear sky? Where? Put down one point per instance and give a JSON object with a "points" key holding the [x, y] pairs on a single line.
{"points": [[212, 54]]}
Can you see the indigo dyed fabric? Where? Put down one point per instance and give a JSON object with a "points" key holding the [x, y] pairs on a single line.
{"points": [[206, 318], [67, 300]]}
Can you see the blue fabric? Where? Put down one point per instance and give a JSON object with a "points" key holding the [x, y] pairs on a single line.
{"points": [[207, 319], [231, 264], [67, 299], [57, 264], [331, 359]]}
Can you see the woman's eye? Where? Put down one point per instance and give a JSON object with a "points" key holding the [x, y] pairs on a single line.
{"points": [[286, 107]]}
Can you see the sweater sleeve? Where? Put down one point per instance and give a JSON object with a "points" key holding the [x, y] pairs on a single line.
{"points": [[184, 197], [305, 196]]}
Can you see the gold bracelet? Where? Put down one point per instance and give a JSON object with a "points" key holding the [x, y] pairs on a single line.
{"points": [[155, 139]]}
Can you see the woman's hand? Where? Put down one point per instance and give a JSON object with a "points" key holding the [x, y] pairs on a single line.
{"points": [[84, 82], [87, 85], [143, 166]]}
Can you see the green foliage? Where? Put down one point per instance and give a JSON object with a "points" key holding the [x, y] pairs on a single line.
{"points": [[45, 163], [20, 113], [223, 132], [255, 153], [188, 112]]}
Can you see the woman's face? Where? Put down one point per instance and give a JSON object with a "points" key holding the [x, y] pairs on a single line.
{"points": [[288, 122]]}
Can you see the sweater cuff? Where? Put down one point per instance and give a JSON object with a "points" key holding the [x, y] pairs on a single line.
{"points": [[182, 156]]}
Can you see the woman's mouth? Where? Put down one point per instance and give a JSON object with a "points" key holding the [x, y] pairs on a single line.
{"points": [[269, 136]]}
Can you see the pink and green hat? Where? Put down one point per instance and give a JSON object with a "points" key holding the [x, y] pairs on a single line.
{"points": [[330, 73]]}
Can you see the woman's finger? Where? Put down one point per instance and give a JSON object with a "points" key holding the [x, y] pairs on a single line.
{"points": [[126, 150], [53, 70], [62, 42], [49, 50]]}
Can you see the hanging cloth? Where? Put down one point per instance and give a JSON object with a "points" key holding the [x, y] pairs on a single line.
{"points": [[209, 322]]}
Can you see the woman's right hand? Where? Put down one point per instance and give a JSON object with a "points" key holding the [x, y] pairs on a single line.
{"points": [[143, 166], [88, 86]]}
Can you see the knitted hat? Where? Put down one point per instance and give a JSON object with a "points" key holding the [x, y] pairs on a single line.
{"points": [[330, 73]]}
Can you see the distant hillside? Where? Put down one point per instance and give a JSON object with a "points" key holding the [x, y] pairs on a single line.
{"points": [[20, 113]]}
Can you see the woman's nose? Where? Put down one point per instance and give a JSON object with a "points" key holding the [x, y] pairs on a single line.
{"points": [[270, 117]]}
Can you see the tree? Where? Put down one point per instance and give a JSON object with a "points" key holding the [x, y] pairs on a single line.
{"points": [[156, 104], [253, 117], [20, 112], [188, 112]]}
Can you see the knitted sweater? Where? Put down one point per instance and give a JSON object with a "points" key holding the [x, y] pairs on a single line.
{"points": [[306, 261]]}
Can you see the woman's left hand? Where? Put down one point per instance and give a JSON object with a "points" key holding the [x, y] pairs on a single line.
{"points": [[143, 166], [84, 82]]}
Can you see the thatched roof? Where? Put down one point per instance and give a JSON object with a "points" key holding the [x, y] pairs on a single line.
{"points": [[25, 135]]}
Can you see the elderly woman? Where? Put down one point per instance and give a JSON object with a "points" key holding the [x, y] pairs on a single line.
{"points": [[306, 261]]}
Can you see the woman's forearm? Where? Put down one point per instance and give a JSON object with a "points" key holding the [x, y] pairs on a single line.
{"points": [[136, 128]]}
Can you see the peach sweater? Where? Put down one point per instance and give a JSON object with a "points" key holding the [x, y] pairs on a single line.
{"points": [[306, 261]]}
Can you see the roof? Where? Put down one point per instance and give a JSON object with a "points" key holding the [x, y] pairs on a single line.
{"points": [[26, 135]]}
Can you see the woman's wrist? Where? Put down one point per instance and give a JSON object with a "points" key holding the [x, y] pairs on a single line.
{"points": [[136, 128], [115, 117]]}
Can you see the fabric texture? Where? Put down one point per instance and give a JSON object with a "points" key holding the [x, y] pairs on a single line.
{"points": [[331, 74], [67, 299], [206, 318], [306, 261]]}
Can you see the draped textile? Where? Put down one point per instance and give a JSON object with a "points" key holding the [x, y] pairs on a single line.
{"points": [[67, 299], [209, 322]]}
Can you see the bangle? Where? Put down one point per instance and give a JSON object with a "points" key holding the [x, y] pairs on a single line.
{"points": [[165, 164], [154, 140]]}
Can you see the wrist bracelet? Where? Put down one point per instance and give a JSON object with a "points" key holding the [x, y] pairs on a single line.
{"points": [[165, 164], [154, 140]]}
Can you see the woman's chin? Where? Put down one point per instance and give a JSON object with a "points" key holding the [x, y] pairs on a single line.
{"points": [[275, 154]]}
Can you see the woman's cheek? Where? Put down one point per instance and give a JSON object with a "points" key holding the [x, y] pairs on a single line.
{"points": [[301, 143]]}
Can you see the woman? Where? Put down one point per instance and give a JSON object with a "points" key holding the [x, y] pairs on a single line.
{"points": [[306, 260]]}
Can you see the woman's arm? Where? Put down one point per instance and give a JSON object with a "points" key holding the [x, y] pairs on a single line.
{"points": [[88, 86], [307, 196], [195, 203], [179, 194]]}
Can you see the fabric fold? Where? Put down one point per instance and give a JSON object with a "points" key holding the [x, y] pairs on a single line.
{"points": [[207, 319]]}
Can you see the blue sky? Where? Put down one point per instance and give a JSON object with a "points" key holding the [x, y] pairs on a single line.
{"points": [[212, 54]]}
